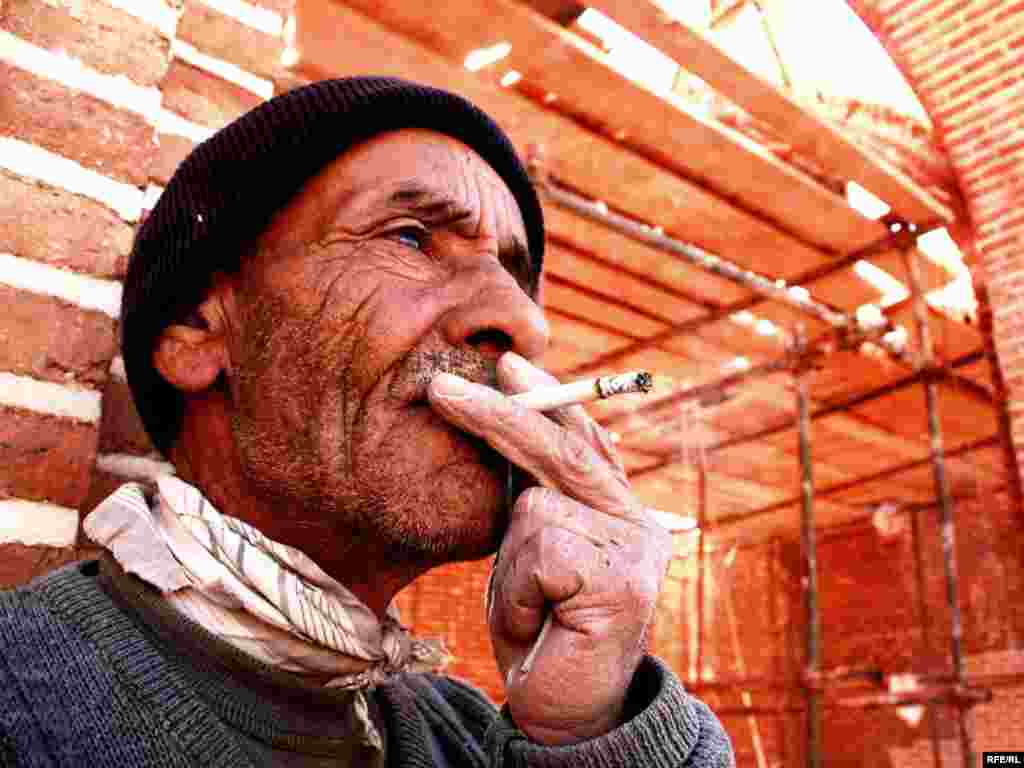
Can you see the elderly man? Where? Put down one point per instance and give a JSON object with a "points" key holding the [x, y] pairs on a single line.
{"points": [[323, 318]]}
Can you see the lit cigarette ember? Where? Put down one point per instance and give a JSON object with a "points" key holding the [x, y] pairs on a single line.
{"points": [[585, 391]]}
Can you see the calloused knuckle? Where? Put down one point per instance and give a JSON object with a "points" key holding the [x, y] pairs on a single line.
{"points": [[533, 500], [576, 457]]}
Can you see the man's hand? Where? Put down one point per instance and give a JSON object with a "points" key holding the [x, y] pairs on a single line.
{"points": [[581, 548]]}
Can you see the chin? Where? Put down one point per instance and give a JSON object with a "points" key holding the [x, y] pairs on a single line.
{"points": [[451, 505]]}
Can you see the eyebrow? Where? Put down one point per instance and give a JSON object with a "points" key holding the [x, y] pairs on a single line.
{"points": [[415, 197]]}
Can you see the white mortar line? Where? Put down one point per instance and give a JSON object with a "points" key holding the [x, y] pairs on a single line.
{"points": [[223, 69], [166, 121], [73, 287], [130, 467], [37, 522], [263, 19], [30, 161], [156, 13], [118, 91], [49, 398], [113, 89]]}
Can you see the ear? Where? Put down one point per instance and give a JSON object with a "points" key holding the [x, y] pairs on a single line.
{"points": [[192, 357]]}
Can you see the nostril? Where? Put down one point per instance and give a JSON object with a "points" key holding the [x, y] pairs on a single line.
{"points": [[490, 342]]}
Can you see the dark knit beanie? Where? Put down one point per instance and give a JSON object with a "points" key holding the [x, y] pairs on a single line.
{"points": [[225, 193]]}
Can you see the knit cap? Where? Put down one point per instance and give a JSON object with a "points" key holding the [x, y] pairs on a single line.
{"points": [[224, 194]]}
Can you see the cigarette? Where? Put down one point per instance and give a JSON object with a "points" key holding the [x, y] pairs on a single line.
{"points": [[585, 390]]}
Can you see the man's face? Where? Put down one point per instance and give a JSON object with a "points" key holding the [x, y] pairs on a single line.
{"points": [[404, 257]]}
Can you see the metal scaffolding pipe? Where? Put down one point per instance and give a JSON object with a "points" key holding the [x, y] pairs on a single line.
{"points": [[810, 558], [850, 402], [697, 257], [768, 368], [925, 623], [945, 499], [784, 362], [739, 517], [702, 516]]}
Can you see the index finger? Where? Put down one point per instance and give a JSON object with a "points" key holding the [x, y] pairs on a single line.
{"points": [[558, 458]]}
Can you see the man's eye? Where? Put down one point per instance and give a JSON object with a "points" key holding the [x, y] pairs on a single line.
{"points": [[414, 237]]}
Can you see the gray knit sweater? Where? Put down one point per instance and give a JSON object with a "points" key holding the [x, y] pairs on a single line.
{"points": [[96, 670]]}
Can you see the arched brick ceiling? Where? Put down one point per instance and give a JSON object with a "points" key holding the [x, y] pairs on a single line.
{"points": [[965, 61]]}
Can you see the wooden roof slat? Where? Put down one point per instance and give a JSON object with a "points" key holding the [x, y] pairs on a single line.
{"points": [[577, 268], [661, 126], [623, 251], [804, 130], [961, 418], [595, 165], [950, 338], [562, 294]]}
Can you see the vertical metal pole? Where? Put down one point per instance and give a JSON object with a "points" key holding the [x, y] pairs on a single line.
{"points": [[702, 512], [942, 488], [810, 555], [925, 622]]}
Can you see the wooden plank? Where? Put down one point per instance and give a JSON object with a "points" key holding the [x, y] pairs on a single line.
{"points": [[847, 373], [950, 338], [629, 254], [961, 418], [803, 129], [660, 126], [573, 342], [563, 295], [617, 286], [596, 166]]}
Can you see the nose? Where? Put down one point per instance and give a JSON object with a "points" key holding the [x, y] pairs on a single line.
{"points": [[496, 316]]}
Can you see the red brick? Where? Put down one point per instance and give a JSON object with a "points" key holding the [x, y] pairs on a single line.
{"points": [[76, 125], [48, 339], [204, 98], [45, 458], [996, 244], [121, 429], [218, 35], [965, 84], [917, 27], [20, 563], [1010, 221], [101, 485], [173, 149], [103, 37], [62, 229]]}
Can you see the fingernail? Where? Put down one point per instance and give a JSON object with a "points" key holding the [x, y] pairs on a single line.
{"points": [[449, 386], [514, 362]]}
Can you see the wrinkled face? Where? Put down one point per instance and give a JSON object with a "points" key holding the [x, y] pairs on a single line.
{"points": [[405, 257]]}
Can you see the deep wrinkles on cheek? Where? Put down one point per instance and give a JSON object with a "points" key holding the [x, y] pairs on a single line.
{"points": [[342, 357]]}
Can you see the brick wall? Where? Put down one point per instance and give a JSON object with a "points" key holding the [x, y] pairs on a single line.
{"points": [[872, 617], [101, 101]]}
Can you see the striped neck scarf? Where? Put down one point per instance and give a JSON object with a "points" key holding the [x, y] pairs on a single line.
{"points": [[265, 598]]}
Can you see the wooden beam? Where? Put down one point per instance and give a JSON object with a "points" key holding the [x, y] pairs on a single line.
{"points": [[805, 131], [593, 164], [658, 126]]}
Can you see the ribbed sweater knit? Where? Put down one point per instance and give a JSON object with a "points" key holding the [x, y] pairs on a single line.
{"points": [[97, 670]]}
